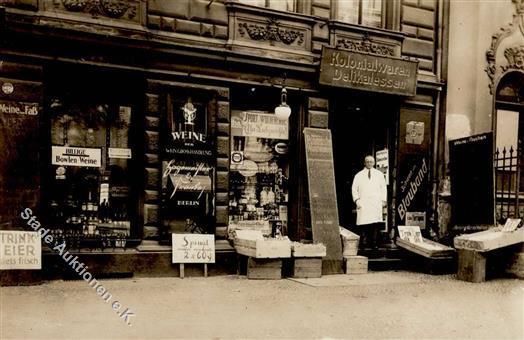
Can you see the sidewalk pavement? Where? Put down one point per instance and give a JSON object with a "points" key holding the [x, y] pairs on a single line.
{"points": [[374, 305]]}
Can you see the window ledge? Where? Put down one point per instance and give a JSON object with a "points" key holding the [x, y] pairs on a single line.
{"points": [[396, 35], [268, 12]]}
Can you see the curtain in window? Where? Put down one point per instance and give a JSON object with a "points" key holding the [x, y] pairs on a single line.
{"points": [[261, 3], [282, 5], [372, 13], [348, 11]]}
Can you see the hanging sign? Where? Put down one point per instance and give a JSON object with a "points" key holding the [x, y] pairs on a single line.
{"points": [[72, 156], [19, 108], [8, 88], [368, 72], [414, 132], [193, 248], [20, 250], [382, 163], [261, 125], [119, 153]]}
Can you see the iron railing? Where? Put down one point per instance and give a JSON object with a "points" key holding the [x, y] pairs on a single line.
{"points": [[509, 188]]}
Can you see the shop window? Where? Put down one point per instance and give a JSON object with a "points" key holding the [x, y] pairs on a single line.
{"points": [[90, 191], [281, 5], [360, 12], [258, 197]]}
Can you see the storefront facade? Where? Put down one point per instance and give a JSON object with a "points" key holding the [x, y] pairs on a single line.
{"points": [[488, 98], [154, 117]]}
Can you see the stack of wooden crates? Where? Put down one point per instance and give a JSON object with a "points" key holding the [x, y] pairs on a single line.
{"points": [[354, 263], [264, 255], [307, 260]]}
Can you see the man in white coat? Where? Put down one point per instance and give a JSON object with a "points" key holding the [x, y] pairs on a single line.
{"points": [[370, 195]]}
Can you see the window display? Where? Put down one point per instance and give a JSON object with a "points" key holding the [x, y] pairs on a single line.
{"points": [[258, 196], [90, 153]]}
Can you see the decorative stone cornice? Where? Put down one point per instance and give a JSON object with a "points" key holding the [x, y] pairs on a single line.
{"points": [[271, 31], [365, 45], [519, 4], [115, 9]]}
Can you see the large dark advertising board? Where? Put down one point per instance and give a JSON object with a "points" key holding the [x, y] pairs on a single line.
{"points": [[414, 168], [322, 193], [188, 172], [19, 166], [471, 175]]}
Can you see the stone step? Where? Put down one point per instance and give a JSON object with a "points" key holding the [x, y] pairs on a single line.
{"points": [[384, 263]]}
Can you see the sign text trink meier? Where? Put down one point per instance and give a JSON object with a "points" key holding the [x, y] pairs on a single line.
{"points": [[76, 265]]}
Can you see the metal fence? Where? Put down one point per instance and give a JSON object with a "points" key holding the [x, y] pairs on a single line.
{"points": [[509, 186]]}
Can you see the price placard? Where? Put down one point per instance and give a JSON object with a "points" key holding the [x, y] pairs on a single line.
{"points": [[193, 248]]}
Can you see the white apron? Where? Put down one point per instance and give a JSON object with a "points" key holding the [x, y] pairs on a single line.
{"points": [[370, 193]]}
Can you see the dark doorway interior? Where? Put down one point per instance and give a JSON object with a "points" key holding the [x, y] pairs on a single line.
{"points": [[362, 124]]}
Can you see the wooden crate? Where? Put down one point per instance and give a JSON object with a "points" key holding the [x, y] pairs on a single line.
{"points": [[356, 264], [264, 269], [308, 250], [307, 267], [349, 242], [489, 240], [471, 265], [253, 244]]}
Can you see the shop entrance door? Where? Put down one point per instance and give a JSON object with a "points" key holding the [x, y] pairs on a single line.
{"points": [[362, 125]]}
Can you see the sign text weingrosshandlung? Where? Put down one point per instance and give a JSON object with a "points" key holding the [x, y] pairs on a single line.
{"points": [[368, 72]]}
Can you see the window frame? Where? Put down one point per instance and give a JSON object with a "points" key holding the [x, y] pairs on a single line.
{"points": [[384, 20], [268, 5]]}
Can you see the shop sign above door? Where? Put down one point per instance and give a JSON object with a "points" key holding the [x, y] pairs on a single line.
{"points": [[368, 72], [72, 156]]}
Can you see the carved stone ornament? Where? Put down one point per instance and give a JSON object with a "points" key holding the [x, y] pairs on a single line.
{"points": [[514, 55], [271, 31], [365, 45], [115, 9], [519, 4]]}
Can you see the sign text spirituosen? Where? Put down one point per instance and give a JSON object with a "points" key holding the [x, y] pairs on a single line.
{"points": [[368, 72]]}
